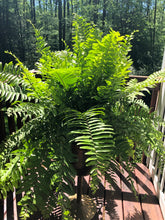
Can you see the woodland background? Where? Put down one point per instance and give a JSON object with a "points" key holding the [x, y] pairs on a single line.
{"points": [[54, 19]]}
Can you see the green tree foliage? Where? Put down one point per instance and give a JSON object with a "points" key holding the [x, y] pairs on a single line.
{"points": [[82, 98], [54, 19]]}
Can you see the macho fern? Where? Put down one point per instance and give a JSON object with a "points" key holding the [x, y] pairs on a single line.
{"points": [[80, 98]]}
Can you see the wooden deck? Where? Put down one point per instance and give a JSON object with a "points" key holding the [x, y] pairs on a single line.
{"points": [[117, 203], [120, 203]]}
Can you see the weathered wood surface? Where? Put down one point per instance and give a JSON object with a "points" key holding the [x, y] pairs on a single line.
{"points": [[120, 203], [117, 202]]}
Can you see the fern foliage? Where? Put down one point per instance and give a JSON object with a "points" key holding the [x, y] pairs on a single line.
{"points": [[135, 88], [12, 87], [91, 134], [81, 97]]}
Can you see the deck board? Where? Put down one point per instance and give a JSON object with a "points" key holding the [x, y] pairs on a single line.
{"points": [[115, 202], [99, 200], [149, 201], [131, 204]]}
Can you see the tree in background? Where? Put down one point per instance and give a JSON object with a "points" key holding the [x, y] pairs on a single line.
{"points": [[81, 103], [54, 19]]}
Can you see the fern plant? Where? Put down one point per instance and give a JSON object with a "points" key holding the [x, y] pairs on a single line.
{"points": [[81, 97]]}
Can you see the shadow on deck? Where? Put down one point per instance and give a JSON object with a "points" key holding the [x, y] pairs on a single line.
{"points": [[115, 202]]}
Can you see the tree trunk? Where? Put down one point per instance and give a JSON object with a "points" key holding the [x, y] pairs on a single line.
{"points": [[39, 4], [95, 16], [55, 2], [154, 29], [148, 7], [20, 25], [33, 13], [64, 20], [51, 7], [46, 5], [104, 12], [60, 23]]}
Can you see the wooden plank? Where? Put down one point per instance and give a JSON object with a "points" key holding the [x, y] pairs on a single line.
{"points": [[149, 202], [98, 198], [113, 199], [131, 205], [15, 214], [5, 209]]}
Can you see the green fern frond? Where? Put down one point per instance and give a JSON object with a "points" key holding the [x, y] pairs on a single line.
{"points": [[47, 182], [41, 45], [13, 87], [26, 111], [10, 68], [13, 80], [141, 104], [66, 76], [12, 94], [84, 39], [135, 88], [95, 137]]}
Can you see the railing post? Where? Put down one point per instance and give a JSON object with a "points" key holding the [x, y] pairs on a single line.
{"points": [[158, 173], [5, 209]]}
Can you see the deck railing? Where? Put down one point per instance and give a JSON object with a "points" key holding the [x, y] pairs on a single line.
{"points": [[7, 126], [156, 167]]}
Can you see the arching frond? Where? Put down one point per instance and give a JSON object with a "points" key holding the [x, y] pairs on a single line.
{"points": [[135, 88], [13, 80], [12, 93], [12, 85], [90, 133]]}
